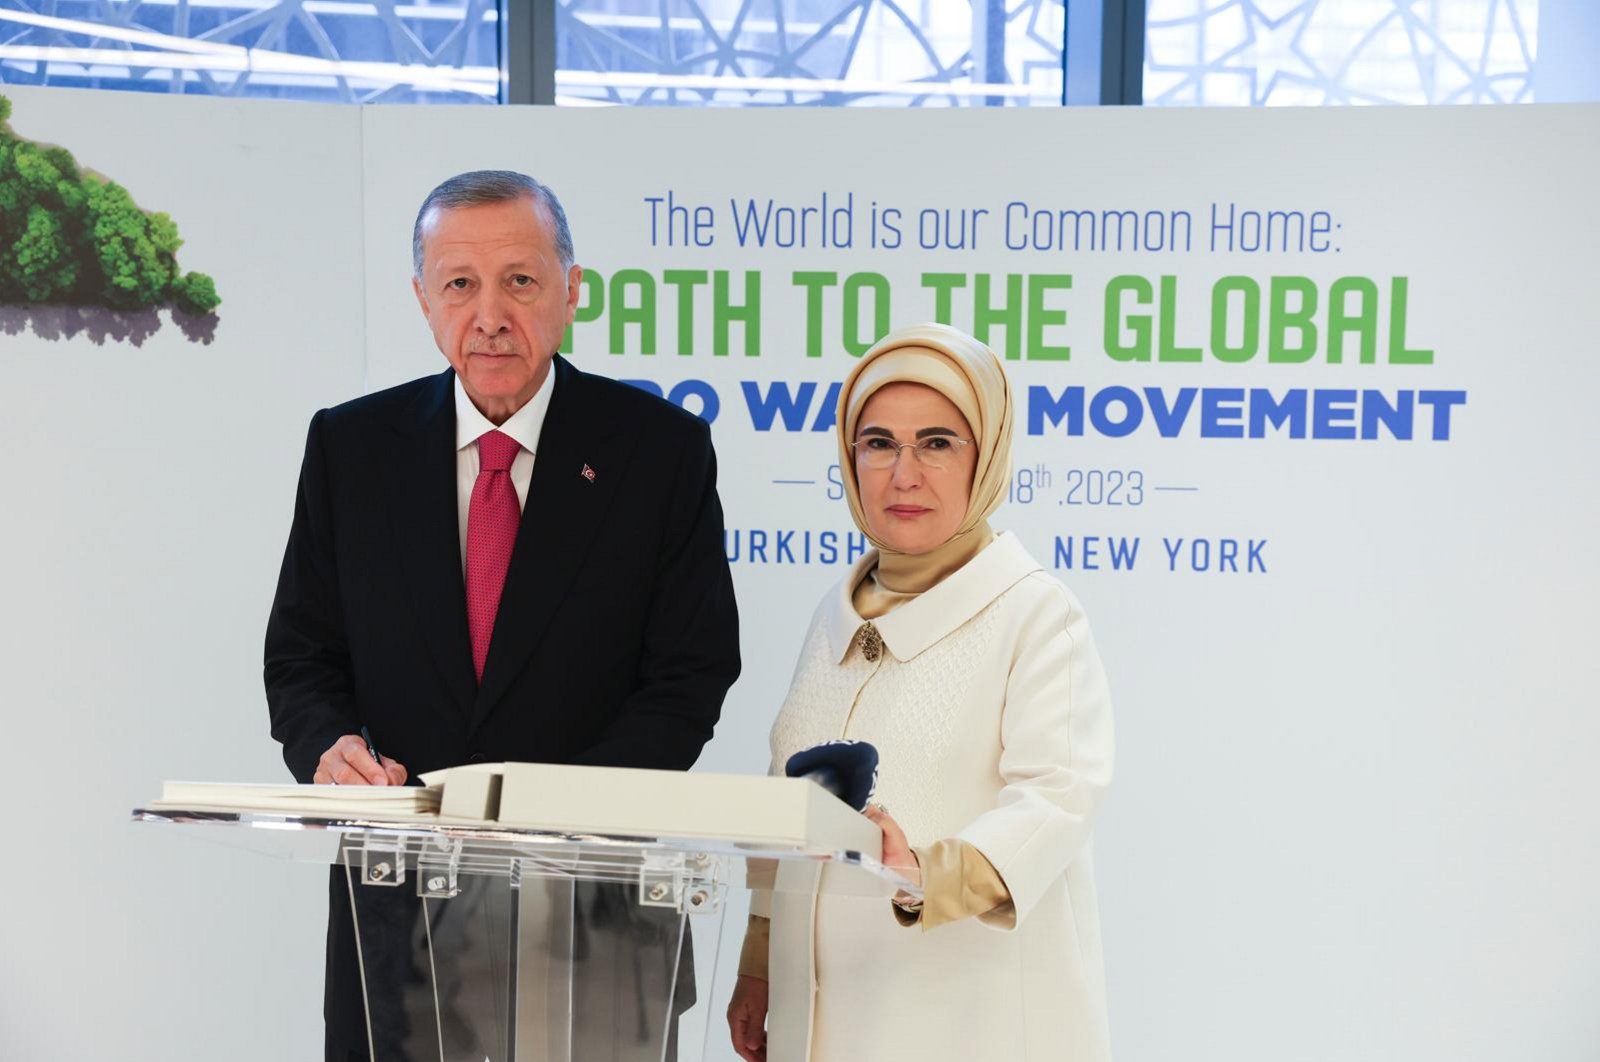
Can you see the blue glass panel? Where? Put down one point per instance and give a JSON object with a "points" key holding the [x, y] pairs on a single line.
{"points": [[1313, 52], [810, 52], [421, 51]]}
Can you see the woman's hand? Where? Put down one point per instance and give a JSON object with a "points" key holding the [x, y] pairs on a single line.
{"points": [[897, 853], [747, 1018]]}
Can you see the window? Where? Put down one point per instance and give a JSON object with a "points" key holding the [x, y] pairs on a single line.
{"points": [[1315, 52], [434, 51], [819, 52]]}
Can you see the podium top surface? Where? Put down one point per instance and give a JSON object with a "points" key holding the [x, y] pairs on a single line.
{"points": [[592, 822]]}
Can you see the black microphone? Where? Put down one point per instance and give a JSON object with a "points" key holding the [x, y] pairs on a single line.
{"points": [[847, 769]]}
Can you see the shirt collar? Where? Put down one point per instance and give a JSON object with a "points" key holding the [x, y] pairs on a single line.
{"points": [[936, 612], [524, 425]]}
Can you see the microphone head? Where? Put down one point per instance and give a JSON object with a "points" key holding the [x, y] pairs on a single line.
{"points": [[852, 767]]}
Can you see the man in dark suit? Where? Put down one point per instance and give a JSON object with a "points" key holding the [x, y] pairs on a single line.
{"points": [[512, 560]]}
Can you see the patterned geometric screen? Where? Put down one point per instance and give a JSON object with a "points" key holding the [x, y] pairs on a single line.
{"points": [[1317, 52], [421, 51], [647, 52], [936, 53]]}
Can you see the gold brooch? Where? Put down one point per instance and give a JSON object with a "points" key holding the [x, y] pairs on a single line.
{"points": [[871, 641]]}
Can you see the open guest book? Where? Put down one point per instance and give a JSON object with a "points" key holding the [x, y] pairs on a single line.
{"points": [[360, 801], [614, 801]]}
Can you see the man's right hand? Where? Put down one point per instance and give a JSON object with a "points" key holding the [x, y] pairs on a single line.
{"points": [[347, 762]]}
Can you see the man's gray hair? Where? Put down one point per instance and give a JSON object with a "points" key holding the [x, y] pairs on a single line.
{"points": [[478, 187]]}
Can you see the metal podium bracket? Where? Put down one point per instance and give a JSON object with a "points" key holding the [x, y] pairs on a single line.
{"points": [[684, 882], [383, 860], [438, 867]]}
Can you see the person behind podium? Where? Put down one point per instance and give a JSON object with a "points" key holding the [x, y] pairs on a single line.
{"points": [[973, 671], [511, 560]]}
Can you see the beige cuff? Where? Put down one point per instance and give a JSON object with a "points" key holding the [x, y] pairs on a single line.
{"points": [[958, 882], [757, 944]]}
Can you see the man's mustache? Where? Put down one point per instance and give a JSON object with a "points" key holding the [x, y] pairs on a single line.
{"points": [[494, 345]]}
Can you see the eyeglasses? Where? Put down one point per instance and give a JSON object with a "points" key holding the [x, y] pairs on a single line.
{"points": [[934, 453]]}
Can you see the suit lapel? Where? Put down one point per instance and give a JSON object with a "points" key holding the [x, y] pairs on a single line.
{"points": [[423, 511], [560, 519]]}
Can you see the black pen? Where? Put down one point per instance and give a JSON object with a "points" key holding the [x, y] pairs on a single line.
{"points": [[372, 750]]}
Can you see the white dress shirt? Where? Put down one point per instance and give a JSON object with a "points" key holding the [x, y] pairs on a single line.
{"points": [[524, 426]]}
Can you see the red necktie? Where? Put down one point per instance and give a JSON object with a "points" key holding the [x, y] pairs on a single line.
{"points": [[492, 519]]}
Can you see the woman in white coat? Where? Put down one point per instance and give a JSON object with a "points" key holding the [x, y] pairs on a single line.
{"points": [[972, 670]]}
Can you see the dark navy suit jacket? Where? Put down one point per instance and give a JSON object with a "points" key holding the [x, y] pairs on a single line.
{"points": [[617, 635]]}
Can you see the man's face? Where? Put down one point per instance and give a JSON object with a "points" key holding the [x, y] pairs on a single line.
{"points": [[496, 299]]}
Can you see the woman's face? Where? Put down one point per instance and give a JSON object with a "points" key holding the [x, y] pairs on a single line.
{"points": [[909, 506]]}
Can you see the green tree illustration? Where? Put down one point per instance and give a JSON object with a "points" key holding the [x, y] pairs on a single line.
{"points": [[195, 293], [67, 236]]}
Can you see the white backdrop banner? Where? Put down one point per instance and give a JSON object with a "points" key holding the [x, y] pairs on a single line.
{"points": [[1303, 404]]}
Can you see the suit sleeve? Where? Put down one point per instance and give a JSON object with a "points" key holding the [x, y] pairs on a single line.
{"points": [[690, 651], [1055, 760], [310, 694]]}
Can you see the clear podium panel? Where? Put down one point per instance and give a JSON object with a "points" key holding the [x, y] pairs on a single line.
{"points": [[433, 971], [681, 870], [481, 942], [523, 968]]}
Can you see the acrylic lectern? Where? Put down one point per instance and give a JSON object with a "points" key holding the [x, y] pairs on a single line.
{"points": [[548, 913]]}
